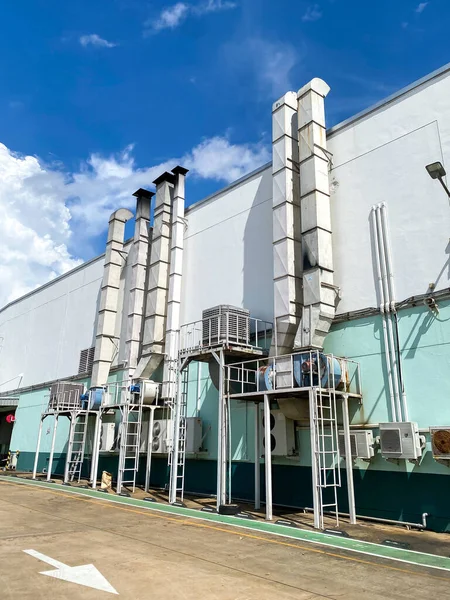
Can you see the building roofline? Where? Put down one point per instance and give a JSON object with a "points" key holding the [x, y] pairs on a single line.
{"points": [[330, 132], [389, 100]]}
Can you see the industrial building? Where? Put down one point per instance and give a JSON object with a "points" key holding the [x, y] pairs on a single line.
{"points": [[307, 303]]}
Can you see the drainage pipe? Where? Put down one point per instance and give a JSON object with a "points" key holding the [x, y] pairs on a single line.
{"points": [[422, 525], [393, 355], [390, 274], [383, 315]]}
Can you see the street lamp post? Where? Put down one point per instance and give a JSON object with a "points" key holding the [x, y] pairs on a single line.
{"points": [[437, 171]]}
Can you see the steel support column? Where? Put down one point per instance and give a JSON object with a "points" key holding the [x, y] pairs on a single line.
{"points": [[38, 445], [348, 460], [257, 454], [314, 465], [96, 448], [268, 457], [52, 449], [148, 465]]}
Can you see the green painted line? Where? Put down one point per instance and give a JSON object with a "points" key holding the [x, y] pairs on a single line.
{"points": [[412, 557]]}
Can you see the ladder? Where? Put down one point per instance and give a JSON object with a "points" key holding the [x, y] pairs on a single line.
{"points": [[130, 441], [76, 445], [177, 450], [326, 461]]}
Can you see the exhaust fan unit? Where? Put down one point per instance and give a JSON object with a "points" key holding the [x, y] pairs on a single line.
{"points": [[361, 443], [440, 442], [225, 324], [400, 440]]}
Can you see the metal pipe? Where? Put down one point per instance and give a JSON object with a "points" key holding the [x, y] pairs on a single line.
{"points": [[38, 445], [268, 458], [228, 408], [223, 466], [148, 465], [385, 228], [387, 291], [348, 460], [382, 311], [257, 453], [219, 437], [52, 449], [199, 375], [365, 518]]}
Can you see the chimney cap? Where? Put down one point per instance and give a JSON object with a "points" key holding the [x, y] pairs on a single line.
{"points": [[142, 193], [165, 177], [180, 170]]}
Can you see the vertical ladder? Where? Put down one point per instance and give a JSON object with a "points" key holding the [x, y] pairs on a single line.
{"points": [[177, 451], [77, 445], [326, 451], [130, 441]]}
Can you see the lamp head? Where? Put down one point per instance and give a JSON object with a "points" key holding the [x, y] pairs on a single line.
{"points": [[436, 170]]}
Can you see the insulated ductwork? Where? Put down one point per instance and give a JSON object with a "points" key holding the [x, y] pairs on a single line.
{"points": [[139, 258], [319, 291], [286, 223], [106, 340], [175, 278], [158, 280]]}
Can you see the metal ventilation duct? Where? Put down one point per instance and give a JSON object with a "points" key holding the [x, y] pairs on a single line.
{"points": [[105, 341], [286, 224], [319, 291], [175, 278], [152, 352], [139, 258]]}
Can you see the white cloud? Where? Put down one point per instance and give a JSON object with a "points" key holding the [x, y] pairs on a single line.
{"points": [[265, 64], [313, 13], [421, 7], [170, 17], [173, 16], [50, 217], [95, 40]]}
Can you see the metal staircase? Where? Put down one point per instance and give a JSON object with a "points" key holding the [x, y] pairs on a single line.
{"points": [[76, 446], [130, 441], [326, 463], [177, 452]]}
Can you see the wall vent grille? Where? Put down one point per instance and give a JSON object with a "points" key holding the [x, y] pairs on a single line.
{"points": [[86, 360]]}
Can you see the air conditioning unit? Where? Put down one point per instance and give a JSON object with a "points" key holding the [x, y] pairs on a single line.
{"points": [[400, 440], [162, 436], [224, 323], [361, 443], [107, 437], [440, 442], [282, 434], [194, 433]]}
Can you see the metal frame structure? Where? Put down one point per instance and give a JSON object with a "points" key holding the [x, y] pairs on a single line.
{"points": [[263, 379], [211, 338]]}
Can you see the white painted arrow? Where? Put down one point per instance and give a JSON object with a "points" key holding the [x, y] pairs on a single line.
{"points": [[86, 575]]}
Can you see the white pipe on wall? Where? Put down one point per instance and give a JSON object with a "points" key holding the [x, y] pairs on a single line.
{"points": [[384, 271], [390, 274], [383, 315]]}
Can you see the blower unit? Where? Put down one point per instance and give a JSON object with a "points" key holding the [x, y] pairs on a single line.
{"points": [[282, 434], [400, 440], [440, 442], [225, 323], [361, 443]]}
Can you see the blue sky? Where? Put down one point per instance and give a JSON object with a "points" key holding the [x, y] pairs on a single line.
{"points": [[97, 97]]}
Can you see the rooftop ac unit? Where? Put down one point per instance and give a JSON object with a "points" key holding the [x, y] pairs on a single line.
{"points": [[282, 434], [107, 437], [400, 440], [361, 443], [440, 442], [224, 323]]}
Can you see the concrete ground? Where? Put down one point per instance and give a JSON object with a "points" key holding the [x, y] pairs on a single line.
{"points": [[146, 554]]}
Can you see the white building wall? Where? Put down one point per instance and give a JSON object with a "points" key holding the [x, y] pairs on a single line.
{"points": [[382, 158], [45, 331], [228, 250]]}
